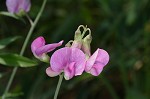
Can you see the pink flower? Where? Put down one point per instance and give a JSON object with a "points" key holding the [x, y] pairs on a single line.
{"points": [[71, 61], [15, 6], [39, 49], [96, 62]]}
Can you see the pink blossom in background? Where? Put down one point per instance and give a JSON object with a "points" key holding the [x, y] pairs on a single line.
{"points": [[96, 62], [71, 61], [39, 49], [15, 6]]}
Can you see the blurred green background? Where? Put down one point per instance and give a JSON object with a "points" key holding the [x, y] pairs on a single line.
{"points": [[121, 27]]}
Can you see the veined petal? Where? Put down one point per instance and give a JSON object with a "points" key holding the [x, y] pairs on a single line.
{"points": [[25, 5], [47, 48], [69, 71], [37, 43], [78, 57], [60, 58], [102, 58], [40, 50], [96, 69], [12, 6], [15, 6], [72, 56], [51, 73], [90, 62]]}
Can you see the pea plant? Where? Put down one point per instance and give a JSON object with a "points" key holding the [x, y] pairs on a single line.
{"points": [[67, 62]]}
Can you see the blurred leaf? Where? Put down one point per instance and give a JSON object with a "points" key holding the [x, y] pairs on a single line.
{"points": [[104, 4], [135, 94], [131, 13], [10, 15], [6, 41], [16, 60], [1, 75], [13, 95]]}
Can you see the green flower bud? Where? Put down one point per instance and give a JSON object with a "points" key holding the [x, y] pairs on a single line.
{"points": [[86, 48], [77, 43]]}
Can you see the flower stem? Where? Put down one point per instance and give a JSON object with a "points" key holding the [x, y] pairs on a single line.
{"points": [[58, 86], [24, 47], [28, 17]]}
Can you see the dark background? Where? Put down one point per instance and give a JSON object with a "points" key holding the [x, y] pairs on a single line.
{"points": [[121, 27]]}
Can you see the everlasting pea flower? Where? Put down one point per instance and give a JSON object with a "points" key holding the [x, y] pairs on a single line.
{"points": [[16, 6], [96, 62], [71, 61], [39, 49]]}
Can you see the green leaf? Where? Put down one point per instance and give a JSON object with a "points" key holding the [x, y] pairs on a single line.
{"points": [[6, 41], [15, 16], [16, 60], [10, 15]]}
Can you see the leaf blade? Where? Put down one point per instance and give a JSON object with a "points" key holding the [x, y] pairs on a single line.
{"points": [[10, 15], [6, 41], [16, 60]]}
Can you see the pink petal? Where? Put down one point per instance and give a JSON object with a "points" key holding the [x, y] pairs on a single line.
{"points": [[64, 56], [37, 43], [14, 6], [69, 71], [90, 62], [60, 58], [78, 57], [102, 58], [96, 69], [39, 49], [26, 5], [47, 48], [51, 73]]}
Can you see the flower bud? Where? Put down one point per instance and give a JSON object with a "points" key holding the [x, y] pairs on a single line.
{"points": [[69, 43], [18, 7], [86, 48], [77, 43]]}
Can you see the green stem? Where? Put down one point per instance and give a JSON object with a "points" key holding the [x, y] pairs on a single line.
{"points": [[23, 48], [32, 28], [58, 86], [28, 17]]}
